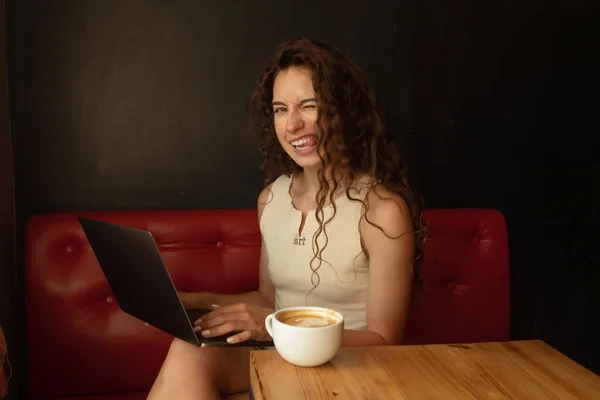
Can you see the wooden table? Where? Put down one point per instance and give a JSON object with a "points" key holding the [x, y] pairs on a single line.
{"points": [[503, 370]]}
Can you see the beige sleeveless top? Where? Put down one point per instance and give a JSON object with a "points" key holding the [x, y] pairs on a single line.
{"points": [[344, 270]]}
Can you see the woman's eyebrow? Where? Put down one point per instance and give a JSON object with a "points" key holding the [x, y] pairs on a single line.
{"points": [[304, 101], [308, 100]]}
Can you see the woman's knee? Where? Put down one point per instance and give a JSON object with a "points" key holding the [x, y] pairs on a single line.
{"points": [[225, 369], [183, 350], [184, 362], [188, 356]]}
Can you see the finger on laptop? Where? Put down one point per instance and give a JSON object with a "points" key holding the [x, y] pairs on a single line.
{"points": [[221, 319], [240, 337], [224, 329]]}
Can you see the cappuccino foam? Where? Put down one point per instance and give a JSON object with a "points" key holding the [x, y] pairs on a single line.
{"points": [[308, 319]]}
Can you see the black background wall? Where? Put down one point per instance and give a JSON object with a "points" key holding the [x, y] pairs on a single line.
{"points": [[10, 290], [141, 105]]}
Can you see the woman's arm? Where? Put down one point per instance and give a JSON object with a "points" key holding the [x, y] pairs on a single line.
{"points": [[263, 297], [390, 269]]}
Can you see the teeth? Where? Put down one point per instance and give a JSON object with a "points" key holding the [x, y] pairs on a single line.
{"points": [[301, 141]]}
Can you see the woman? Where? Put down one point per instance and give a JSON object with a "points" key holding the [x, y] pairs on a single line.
{"points": [[341, 226]]}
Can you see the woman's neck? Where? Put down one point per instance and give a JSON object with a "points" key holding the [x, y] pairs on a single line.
{"points": [[308, 182]]}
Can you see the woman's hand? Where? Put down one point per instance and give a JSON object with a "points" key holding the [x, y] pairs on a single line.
{"points": [[247, 319]]}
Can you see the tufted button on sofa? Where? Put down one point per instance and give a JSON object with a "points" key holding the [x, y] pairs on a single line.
{"points": [[465, 295], [80, 345]]}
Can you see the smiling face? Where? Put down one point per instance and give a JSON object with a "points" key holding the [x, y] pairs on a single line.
{"points": [[295, 116]]}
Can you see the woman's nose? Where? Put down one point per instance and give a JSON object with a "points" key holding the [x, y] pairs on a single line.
{"points": [[294, 122]]}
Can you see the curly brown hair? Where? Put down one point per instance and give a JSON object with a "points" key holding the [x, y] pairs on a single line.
{"points": [[354, 141]]}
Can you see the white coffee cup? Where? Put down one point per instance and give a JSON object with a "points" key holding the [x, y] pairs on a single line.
{"points": [[311, 336]]}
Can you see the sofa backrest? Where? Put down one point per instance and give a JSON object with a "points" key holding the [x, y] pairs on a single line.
{"points": [[80, 342], [465, 296]]}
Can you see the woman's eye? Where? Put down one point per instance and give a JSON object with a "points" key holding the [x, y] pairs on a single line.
{"points": [[278, 110]]}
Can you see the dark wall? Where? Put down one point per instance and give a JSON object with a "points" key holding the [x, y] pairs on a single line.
{"points": [[10, 293], [122, 105]]}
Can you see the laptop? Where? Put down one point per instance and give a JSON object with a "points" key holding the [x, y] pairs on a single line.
{"points": [[141, 284]]}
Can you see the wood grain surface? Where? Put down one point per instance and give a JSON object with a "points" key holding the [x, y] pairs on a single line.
{"points": [[503, 370]]}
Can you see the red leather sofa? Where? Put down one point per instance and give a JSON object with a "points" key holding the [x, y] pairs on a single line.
{"points": [[82, 346]]}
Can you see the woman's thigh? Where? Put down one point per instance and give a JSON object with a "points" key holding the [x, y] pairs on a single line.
{"points": [[231, 367], [204, 372]]}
